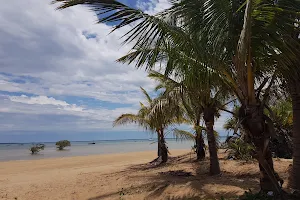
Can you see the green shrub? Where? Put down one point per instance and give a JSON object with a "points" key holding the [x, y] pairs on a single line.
{"points": [[240, 149], [62, 144], [36, 148]]}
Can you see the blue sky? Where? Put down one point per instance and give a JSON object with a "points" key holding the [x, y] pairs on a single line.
{"points": [[59, 78]]}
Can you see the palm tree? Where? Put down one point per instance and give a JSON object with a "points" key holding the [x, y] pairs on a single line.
{"points": [[154, 118], [199, 100], [140, 118], [244, 42], [189, 98]]}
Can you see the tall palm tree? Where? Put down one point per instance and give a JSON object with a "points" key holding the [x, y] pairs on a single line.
{"points": [[210, 106], [199, 99], [244, 42]]}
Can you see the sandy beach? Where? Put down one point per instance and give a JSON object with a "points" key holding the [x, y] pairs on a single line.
{"points": [[128, 176]]}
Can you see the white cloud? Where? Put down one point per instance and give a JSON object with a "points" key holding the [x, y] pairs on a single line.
{"points": [[42, 100], [30, 112]]}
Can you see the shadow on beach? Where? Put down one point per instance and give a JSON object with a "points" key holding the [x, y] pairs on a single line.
{"points": [[183, 178]]}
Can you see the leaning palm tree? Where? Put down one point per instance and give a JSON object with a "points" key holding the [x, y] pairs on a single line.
{"points": [[141, 118], [244, 42], [189, 98], [154, 118]]}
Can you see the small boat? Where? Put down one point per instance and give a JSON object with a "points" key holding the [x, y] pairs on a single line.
{"points": [[92, 143]]}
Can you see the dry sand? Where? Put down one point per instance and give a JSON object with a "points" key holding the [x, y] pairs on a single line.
{"points": [[127, 176]]}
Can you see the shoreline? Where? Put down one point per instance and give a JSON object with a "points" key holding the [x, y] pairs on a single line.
{"points": [[92, 155], [17, 152]]}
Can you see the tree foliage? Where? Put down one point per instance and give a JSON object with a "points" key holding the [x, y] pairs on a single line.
{"points": [[36, 148], [157, 115], [239, 149], [62, 144]]}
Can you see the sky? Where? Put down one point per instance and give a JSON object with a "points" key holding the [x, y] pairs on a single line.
{"points": [[59, 78]]}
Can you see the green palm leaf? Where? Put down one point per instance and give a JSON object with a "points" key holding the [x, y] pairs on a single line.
{"points": [[149, 99], [183, 135], [131, 118]]}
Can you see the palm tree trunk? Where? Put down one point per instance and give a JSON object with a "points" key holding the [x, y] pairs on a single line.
{"points": [[163, 147], [158, 145], [295, 93], [212, 147], [199, 144], [254, 122], [265, 180]]}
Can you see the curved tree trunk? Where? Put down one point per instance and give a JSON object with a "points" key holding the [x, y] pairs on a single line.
{"points": [[200, 144], [163, 147], [295, 93], [212, 147], [254, 122], [265, 180]]}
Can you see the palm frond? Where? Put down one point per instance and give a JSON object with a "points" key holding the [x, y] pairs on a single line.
{"points": [[149, 99], [131, 118], [183, 135]]}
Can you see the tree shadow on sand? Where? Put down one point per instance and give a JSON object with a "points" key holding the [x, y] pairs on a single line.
{"points": [[191, 182]]}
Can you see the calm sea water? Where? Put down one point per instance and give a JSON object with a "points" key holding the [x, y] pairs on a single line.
{"points": [[21, 151]]}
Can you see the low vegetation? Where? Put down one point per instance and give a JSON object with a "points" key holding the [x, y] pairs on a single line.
{"points": [[37, 148], [239, 149], [62, 144]]}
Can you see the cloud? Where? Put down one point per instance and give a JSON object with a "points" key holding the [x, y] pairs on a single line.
{"points": [[66, 52], [47, 113], [41, 100], [47, 55]]}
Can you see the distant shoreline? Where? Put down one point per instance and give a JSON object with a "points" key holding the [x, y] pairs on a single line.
{"points": [[154, 139], [85, 141], [78, 141]]}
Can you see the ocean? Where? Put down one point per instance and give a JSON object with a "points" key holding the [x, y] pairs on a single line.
{"points": [[20, 151]]}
